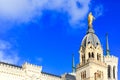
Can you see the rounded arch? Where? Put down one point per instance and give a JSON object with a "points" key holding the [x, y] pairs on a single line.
{"points": [[114, 72], [89, 54], [97, 56], [92, 55], [109, 71], [83, 58]]}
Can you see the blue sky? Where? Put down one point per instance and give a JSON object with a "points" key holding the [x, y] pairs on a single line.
{"points": [[48, 32]]}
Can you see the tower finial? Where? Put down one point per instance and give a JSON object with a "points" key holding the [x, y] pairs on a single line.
{"points": [[107, 46], [90, 19], [73, 64]]}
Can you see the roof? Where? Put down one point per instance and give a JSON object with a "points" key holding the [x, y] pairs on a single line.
{"points": [[90, 38], [51, 74], [10, 64]]}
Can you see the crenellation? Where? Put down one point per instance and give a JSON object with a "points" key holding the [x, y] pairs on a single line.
{"points": [[31, 67], [10, 67], [14, 71], [111, 59]]}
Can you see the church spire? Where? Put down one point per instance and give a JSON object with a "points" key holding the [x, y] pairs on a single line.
{"points": [[107, 46], [73, 64]]}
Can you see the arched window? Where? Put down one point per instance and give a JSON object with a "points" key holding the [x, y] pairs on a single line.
{"points": [[114, 72], [92, 55], [89, 42], [97, 43], [90, 46], [85, 74], [97, 56], [109, 71], [89, 54], [83, 58]]}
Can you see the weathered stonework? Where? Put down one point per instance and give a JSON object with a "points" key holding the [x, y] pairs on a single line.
{"points": [[113, 62]]}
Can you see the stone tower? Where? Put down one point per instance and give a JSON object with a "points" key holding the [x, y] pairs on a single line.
{"points": [[91, 66], [112, 63]]}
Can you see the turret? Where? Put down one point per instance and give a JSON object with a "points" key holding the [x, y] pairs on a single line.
{"points": [[32, 71], [91, 46], [73, 64], [112, 63], [107, 46], [91, 66]]}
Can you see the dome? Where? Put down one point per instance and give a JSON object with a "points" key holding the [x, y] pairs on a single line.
{"points": [[90, 38]]}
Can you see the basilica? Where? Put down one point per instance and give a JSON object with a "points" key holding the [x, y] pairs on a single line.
{"points": [[93, 65]]}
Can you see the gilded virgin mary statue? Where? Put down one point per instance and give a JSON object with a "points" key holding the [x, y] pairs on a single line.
{"points": [[90, 19]]}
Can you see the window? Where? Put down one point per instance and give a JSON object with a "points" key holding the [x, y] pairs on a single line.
{"points": [[92, 55], [109, 71], [83, 75], [97, 43], [98, 57], [90, 46], [114, 72], [89, 54], [98, 75], [83, 58], [89, 42]]}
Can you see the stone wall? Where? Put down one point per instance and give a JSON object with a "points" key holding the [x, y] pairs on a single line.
{"points": [[26, 72], [112, 61]]}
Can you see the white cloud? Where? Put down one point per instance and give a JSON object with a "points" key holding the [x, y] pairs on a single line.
{"points": [[18, 10], [7, 54], [98, 10], [27, 10]]}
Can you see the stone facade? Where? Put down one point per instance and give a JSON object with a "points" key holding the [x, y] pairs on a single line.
{"points": [[112, 63], [28, 72], [93, 64]]}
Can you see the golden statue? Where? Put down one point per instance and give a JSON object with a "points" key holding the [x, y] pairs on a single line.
{"points": [[90, 19]]}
